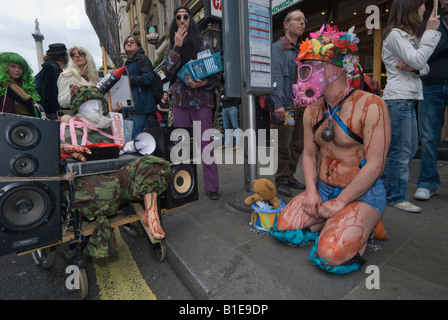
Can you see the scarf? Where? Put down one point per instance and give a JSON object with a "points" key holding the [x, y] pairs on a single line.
{"points": [[23, 102]]}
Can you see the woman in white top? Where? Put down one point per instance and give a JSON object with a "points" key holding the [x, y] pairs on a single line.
{"points": [[406, 50], [81, 71]]}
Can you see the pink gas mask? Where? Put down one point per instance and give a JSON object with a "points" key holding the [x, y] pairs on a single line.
{"points": [[311, 82]]}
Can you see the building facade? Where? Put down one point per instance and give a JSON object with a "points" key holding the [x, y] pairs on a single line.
{"points": [[149, 20]]}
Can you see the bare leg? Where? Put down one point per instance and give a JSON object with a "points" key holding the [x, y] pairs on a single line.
{"points": [[346, 233], [152, 216]]}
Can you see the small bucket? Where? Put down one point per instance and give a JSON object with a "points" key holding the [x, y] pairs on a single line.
{"points": [[264, 219]]}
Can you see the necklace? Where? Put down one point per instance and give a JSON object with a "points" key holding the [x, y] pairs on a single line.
{"points": [[328, 133]]}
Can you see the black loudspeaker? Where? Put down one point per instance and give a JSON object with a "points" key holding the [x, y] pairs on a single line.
{"points": [[184, 183], [183, 187], [30, 208], [164, 145]]}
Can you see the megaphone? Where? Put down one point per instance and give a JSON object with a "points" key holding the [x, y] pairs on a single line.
{"points": [[144, 143]]}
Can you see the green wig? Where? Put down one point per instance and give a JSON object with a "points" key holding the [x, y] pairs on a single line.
{"points": [[27, 77]]}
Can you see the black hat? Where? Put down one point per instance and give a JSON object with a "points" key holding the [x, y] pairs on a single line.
{"points": [[56, 49]]}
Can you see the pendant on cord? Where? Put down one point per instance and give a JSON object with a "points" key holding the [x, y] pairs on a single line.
{"points": [[328, 133]]}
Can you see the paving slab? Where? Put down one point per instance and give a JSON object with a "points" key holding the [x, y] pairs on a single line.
{"points": [[218, 256]]}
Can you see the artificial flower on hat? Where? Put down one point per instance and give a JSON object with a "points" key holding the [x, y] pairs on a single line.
{"points": [[332, 46]]}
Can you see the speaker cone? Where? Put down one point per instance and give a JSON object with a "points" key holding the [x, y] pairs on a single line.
{"points": [[183, 182], [25, 206], [23, 165], [22, 135]]}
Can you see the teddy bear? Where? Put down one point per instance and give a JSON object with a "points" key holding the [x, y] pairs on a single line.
{"points": [[264, 190]]}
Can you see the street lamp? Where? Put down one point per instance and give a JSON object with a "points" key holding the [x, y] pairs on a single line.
{"points": [[212, 34]]}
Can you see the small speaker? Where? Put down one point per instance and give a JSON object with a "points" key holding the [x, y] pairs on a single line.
{"points": [[29, 208], [183, 187], [164, 145], [30, 147]]}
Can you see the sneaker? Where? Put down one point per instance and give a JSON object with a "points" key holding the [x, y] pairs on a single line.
{"points": [[213, 195], [406, 206], [423, 194]]}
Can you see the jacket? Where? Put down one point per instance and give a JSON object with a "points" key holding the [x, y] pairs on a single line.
{"points": [[182, 94], [64, 83], [141, 77], [229, 101], [46, 86], [399, 45], [284, 70], [438, 62]]}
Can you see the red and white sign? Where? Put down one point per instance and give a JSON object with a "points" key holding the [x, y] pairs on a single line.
{"points": [[117, 127], [216, 8]]}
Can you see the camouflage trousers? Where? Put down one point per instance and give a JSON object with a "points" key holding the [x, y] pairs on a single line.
{"points": [[99, 197]]}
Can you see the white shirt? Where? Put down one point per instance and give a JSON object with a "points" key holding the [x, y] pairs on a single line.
{"points": [[400, 45]]}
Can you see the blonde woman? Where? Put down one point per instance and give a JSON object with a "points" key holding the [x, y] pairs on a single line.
{"points": [[81, 71]]}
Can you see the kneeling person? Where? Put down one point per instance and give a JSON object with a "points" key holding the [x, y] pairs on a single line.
{"points": [[349, 131]]}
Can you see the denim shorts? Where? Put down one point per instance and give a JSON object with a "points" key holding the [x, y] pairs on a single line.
{"points": [[375, 196]]}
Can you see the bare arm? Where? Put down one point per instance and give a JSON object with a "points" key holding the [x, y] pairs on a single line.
{"points": [[310, 153]]}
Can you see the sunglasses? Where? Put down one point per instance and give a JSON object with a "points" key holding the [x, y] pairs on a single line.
{"points": [[185, 16], [80, 52]]}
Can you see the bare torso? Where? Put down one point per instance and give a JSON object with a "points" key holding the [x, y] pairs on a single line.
{"points": [[341, 157]]}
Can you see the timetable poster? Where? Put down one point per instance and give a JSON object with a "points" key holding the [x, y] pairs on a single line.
{"points": [[260, 43]]}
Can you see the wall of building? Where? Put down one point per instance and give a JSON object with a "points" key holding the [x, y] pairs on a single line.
{"points": [[135, 16]]}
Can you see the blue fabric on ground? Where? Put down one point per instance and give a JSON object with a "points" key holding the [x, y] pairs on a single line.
{"points": [[295, 237], [322, 264]]}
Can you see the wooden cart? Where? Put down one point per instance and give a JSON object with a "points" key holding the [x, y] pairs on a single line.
{"points": [[45, 256]]}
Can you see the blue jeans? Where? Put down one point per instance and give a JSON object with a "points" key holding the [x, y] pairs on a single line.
{"points": [[430, 120], [140, 121], [403, 147], [375, 196], [230, 121]]}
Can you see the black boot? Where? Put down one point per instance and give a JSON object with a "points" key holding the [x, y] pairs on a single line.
{"points": [[293, 183], [283, 190]]}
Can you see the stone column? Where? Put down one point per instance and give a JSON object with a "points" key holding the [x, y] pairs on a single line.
{"points": [[38, 38]]}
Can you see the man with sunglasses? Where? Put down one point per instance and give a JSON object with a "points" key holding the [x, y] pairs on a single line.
{"points": [[346, 141], [290, 133]]}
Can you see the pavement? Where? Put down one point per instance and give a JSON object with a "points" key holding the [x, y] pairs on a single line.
{"points": [[216, 254]]}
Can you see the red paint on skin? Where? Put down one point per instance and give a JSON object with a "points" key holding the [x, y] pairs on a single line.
{"points": [[380, 107], [340, 241], [369, 104], [332, 163], [293, 216]]}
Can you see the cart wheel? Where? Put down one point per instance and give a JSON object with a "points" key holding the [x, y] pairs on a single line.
{"points": [[45, 257], [158, 250], [133, 229], [83, 290]]}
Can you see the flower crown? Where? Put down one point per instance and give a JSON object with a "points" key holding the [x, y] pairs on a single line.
{"points": [[332, 46]]}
